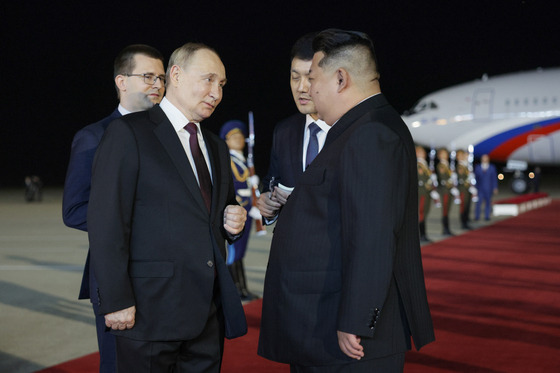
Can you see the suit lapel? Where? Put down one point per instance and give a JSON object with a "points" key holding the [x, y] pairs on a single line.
{"points": [[166, 134], [214, 158], [297, 141]]}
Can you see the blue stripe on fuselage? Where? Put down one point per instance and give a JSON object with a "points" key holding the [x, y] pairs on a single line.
{"points": [[488, 145]]}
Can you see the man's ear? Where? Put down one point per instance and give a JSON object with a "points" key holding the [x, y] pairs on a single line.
{"points": [[120, 82], [174, 74], [343, 79]]}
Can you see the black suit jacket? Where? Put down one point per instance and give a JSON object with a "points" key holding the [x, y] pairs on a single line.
{"points": [[152, 242], [77, 186], [287, 152], [345, 253]]}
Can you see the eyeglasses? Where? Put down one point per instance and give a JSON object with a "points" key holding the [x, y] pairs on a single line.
{"points": [[150, 79]]}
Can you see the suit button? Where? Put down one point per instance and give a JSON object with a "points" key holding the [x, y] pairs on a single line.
{"points": [[210, 264]]}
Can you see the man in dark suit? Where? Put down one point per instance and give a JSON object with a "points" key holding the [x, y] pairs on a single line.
{"points": [[139, 76], [487, 184], [162, 205], [344, 288], [292, 136]]}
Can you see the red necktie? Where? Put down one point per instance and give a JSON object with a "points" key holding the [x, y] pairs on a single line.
{"points": [[204, 180]]}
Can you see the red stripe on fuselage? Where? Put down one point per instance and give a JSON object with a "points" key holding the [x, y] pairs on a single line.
{"points": [[503, 151]]}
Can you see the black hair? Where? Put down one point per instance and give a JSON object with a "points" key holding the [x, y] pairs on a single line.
{"points": [[124, 62], [333, 42], [303, 47]]}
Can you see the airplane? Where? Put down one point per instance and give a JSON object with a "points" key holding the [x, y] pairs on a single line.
{"points": [[514, 118]]}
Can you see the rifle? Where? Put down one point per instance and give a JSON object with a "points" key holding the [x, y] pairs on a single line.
{"points": [[454, 191], [254, 212], [434, 194], [472, 179]]}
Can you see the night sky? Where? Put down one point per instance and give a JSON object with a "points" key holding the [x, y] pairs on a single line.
{"points": [[57, 58]]}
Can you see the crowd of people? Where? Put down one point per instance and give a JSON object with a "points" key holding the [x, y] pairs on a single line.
{"points": [[454, 181]]}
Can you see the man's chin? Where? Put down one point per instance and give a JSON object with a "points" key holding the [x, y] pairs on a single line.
{"points": [[306, 110]]}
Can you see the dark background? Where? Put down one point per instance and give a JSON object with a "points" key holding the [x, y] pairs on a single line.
{"points": [[56, 58]]}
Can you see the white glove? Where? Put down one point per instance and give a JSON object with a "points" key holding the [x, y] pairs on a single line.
{"points": [[254, 180], [255, 213], [435, 195]]}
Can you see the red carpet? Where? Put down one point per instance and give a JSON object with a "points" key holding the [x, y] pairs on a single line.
{"points": [[494, 295], [495, 298]]}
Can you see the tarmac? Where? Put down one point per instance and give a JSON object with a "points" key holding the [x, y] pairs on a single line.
{"points": [[42, 323]]}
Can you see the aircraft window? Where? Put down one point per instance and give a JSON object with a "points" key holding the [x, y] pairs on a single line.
{"points": [[545, 101], [526, 101], [516, 102], [420, 107], [535, 101], [507, 102], [554, 100]]}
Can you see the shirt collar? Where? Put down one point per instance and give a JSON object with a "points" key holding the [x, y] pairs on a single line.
{"points": [[177, 119], [322, 125], [123, 110]]}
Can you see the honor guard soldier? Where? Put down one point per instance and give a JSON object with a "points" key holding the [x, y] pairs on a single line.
{"points": [[426, 189], [464, 186], [446, 184], [234, 133]]}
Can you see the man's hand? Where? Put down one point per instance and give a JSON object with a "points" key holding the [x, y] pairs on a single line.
{"points": [[234, 219], [270, 202], [121, 320], [350, 345], [267, 206], [280, 195]]}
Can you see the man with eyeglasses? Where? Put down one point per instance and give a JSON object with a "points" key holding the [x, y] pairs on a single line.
{"points": [[140, 82], [162, 206]]}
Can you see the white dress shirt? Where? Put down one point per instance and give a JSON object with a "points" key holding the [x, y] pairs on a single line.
{"points": [[321, 136], [123, 111], [179, 121]]}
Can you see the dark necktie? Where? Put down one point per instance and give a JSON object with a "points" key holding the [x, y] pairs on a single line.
{"points": [[204, 180], [313, 145]]}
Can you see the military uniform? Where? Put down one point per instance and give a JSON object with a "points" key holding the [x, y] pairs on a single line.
{"points": [[463, 185], [425, 186], [445, 181], [243, 194]]}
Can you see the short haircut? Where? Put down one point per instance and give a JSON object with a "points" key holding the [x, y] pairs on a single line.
{"points": [[303, 47], [182, 55], [352, 49], [124, 62]]}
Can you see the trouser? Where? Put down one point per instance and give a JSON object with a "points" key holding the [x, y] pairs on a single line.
{"points": [[202, 354], [487, 206], [387, 364]]}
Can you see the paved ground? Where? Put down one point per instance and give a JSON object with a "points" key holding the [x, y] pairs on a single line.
{"points": [[41, 321]]}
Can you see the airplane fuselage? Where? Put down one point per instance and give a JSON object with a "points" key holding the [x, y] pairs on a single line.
{"points": [[510, 117]]}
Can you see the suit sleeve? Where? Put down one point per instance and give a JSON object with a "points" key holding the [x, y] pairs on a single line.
{"points": [[373, 194], [231, 196], [273, 168], [113, 186], [78, 180]]}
